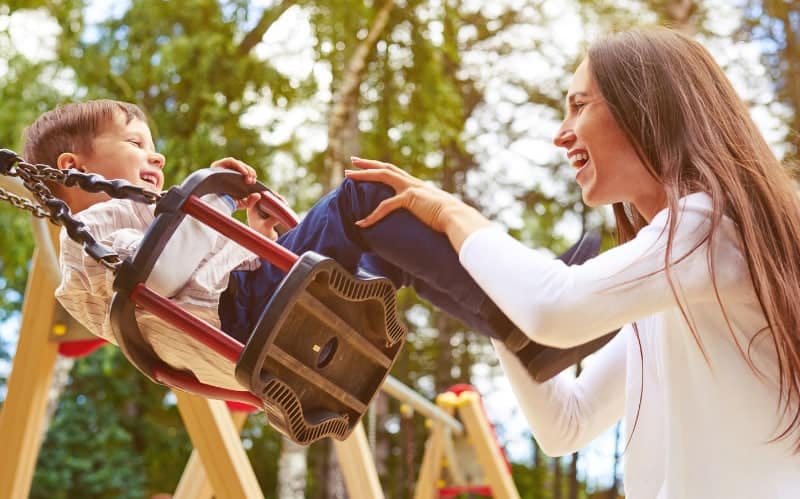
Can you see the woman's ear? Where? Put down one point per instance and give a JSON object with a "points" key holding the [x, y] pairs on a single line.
{"points": [[68, 160]]}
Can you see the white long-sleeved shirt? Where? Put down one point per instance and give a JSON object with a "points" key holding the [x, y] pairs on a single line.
{"points": [[192, 270], [704, 426]]}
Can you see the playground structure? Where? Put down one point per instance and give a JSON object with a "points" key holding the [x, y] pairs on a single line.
{"points": [[218, 465]]}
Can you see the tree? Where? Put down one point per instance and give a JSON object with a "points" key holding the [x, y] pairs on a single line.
{"points": [[774, 26]]}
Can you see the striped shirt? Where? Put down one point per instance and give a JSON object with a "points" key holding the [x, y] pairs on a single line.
{"points": [[193, 271]]}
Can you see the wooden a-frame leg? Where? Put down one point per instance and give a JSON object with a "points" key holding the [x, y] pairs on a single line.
{"points": [[358, 466], [194, 482], [431, 467], [217, 442], [483, 440], [22, 417]]}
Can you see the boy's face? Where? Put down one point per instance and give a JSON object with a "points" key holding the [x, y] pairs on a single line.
{"points": [[121, 151]]}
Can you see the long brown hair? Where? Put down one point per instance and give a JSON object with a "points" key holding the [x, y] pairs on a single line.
{"points": [[695, 134]]}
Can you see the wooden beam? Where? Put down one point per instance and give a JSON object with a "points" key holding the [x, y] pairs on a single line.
{"points": [[358, 466], [431, 468], [218, 444], [194, 482], [484, 441], [22, 417]]}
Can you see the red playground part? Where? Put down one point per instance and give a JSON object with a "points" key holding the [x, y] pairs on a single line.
{"points": [[481, 490], [240, 406], [81, 348]]}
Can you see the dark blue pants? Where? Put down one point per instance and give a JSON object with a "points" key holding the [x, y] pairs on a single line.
{"points": [[399, 247]]}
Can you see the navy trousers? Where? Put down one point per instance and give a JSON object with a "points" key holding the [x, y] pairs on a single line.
{"points": [[399, 247]]}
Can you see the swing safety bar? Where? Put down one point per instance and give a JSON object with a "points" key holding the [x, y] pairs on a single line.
{"points": [[322, 348]]}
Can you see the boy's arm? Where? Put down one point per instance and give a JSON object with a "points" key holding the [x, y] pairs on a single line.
{"points": [[86, 286], [189, 245]]}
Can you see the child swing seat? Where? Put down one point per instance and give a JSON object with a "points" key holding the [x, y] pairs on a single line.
{"points": [[322, 347]]}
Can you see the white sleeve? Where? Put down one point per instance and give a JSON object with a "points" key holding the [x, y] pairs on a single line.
{"points": [[191, 242], [87, 287], [564, 306], [566, 413]]}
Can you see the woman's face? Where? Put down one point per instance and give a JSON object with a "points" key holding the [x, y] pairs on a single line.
{"points": [[607, 168]]}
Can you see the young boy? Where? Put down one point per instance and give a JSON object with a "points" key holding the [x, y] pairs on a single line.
{"points": [[206, 273]]}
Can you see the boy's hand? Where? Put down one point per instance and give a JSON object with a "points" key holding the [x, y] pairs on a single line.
{"points": [[258, 219], [236, 165]]}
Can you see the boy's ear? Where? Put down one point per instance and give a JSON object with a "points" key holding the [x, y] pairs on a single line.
{"points": [[68, 160]]}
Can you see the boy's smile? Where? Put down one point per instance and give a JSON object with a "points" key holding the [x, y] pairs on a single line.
{"points": [[122, 150], [125, 151]]}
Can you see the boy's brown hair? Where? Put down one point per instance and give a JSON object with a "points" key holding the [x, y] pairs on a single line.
{"points": [[72, 128]]}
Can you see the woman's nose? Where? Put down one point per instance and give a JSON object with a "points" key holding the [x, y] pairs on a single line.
{"points": [[564, 137]]}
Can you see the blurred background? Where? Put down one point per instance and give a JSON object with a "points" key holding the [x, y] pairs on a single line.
{"points": [[466, 94]]}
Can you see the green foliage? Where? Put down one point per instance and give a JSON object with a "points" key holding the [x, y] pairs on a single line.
{"points": [[23, 96], [112, 435]]}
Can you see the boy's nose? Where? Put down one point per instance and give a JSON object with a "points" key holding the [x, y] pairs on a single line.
{"points": [[157, 159]]}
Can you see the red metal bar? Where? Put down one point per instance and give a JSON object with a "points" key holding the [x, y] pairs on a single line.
{"points": [[239, 232], [186, 322], [188, 383], [273, 205]]}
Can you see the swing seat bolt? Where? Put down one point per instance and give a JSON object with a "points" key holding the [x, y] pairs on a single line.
{"points": [[59, 329]]}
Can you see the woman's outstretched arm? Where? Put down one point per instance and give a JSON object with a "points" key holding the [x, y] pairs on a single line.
{"points": [[562, 306], [565, 413]]}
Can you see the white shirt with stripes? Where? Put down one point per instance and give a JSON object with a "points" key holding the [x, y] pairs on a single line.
{"points": [[193, 271]]}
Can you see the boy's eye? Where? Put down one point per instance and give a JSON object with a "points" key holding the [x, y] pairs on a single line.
{"points": [[135, 142]]}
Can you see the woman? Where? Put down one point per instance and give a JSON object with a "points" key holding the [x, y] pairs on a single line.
{"points": [[705, 282]]}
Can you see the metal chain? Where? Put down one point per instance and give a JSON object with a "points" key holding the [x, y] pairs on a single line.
{"points": [[23, 204], [56, 210]]}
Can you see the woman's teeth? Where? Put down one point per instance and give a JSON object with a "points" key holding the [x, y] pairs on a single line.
{"points": [[579, 160]]}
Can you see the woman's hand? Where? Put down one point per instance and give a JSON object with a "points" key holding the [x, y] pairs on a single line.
{"points": [[436, 208]]}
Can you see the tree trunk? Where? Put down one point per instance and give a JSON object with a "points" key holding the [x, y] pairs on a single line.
{"points": [[61, 371], [557, 478], [292, 470], [343, 123], [790, 63], [573, 477], [612, 492], [679, 14], [335, 486], [573, 467], [443, 374]]}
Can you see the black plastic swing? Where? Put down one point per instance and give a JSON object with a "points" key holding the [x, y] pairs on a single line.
{"points": [[322, 347], [324, 343]]}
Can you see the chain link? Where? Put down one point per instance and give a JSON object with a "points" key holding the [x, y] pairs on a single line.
{"points": [[34, 178], [24, 204]]}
